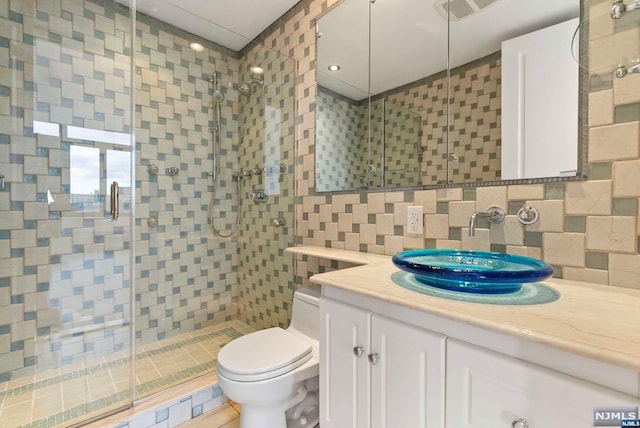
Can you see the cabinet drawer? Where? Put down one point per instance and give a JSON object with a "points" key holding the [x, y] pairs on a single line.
{"points": [[488, 389]]}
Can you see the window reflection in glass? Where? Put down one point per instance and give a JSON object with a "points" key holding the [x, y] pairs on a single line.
{"points": [[85, 179]]}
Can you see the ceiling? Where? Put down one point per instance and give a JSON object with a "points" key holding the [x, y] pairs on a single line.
{"points": [[409, 38], [230, 23]]}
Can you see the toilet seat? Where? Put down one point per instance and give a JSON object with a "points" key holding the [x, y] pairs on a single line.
{"points": [[263, 355]]}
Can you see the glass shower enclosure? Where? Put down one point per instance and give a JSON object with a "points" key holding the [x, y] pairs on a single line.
{"points": [[112, 285], [66, 212]]}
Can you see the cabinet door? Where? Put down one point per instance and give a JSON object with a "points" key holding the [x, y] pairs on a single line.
{"points": [[487, 389], [407, 381], [344, 376]]}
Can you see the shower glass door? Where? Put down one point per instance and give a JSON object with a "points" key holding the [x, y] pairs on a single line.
{"points": [[66, 215]]}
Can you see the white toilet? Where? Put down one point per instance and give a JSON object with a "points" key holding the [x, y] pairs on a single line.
{"points": [[273, 373]]}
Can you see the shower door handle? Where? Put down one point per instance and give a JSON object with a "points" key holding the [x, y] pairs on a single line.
{"points": [[115, 201]]}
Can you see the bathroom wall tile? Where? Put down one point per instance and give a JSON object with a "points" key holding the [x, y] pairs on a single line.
{"points": [[586, 275], [600, 24], [180, 413], [612, 234], [446, 243], [491, 196], [449, 194], [460, 213], [624, 270], [525, 192], [375, 203], [551, 216], [626, 91], [614, 142], [384, 224], [411, 242], [588, 197], [626, 176], [509, 232], [565, 249], [607, 50], [600, 110], [479, 242], [436, 226], [525, 251], [393, 244], [600, 171]]}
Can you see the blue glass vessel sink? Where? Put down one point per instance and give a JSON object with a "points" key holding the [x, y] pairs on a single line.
{"points": [[472, 271]]}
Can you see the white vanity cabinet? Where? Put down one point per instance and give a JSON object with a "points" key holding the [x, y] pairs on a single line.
{"points": [[378, 372], [489, 389]]}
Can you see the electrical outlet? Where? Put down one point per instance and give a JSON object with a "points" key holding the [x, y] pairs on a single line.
{"points": [[415, 222]]}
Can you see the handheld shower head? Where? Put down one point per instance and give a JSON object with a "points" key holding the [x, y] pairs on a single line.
{"points": [[217, 96]]}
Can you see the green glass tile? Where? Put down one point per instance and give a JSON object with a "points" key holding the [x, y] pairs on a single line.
{"points": [[409, 195], [443, 208], [575, 224], [625, 207], [514, 206], [554, 191], [597, 260], [499, 248], [469, 194], [627, 113], [455, 233], [601, 82], [557, 271], [600, 171], [533, 239], [430, 243]]}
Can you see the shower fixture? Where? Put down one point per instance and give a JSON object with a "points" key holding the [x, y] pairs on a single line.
{"points": [[247, 87], [619, 8], [217, 97], [622, 70]]}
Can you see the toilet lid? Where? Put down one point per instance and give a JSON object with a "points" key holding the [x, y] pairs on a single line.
{"points": [[263, 355]]}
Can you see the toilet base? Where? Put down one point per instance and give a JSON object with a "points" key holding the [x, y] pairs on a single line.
{"points": [[262, 417]]}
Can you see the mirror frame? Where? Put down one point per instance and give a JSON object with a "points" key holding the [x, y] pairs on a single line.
{"points": [[582, 125]]}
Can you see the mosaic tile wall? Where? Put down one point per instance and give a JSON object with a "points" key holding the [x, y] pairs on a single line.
{"points": [[588, 230], [341, 153], [186, 278], [402, 154], [64, 276], [475, 121], [267, 142]]}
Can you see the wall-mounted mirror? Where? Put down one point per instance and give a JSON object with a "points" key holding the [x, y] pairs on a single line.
{"points": [[382, 118]]}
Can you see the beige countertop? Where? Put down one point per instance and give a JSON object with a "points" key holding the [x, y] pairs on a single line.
{"points": [[595, 321]]}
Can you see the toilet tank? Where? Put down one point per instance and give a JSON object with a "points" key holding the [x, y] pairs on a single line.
{"points": [[305, 316]]}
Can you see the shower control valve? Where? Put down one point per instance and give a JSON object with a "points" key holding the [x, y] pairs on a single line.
{"points": [[259, 196]]}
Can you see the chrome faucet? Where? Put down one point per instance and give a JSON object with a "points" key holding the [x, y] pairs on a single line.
{"points": [[495, 215]]}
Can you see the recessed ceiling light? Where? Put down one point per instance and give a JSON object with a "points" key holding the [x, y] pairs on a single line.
{"points": [[257, 70], [196, 47], [334, 67]]}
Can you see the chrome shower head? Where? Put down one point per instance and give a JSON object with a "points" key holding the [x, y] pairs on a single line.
{"points": [[245, 88], [217, 96]]}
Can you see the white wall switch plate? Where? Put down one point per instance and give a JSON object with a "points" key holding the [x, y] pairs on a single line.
{"points": [[415, 220]]}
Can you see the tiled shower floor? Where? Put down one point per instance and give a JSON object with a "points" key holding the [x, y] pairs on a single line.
{"points": [[80, 391]]}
